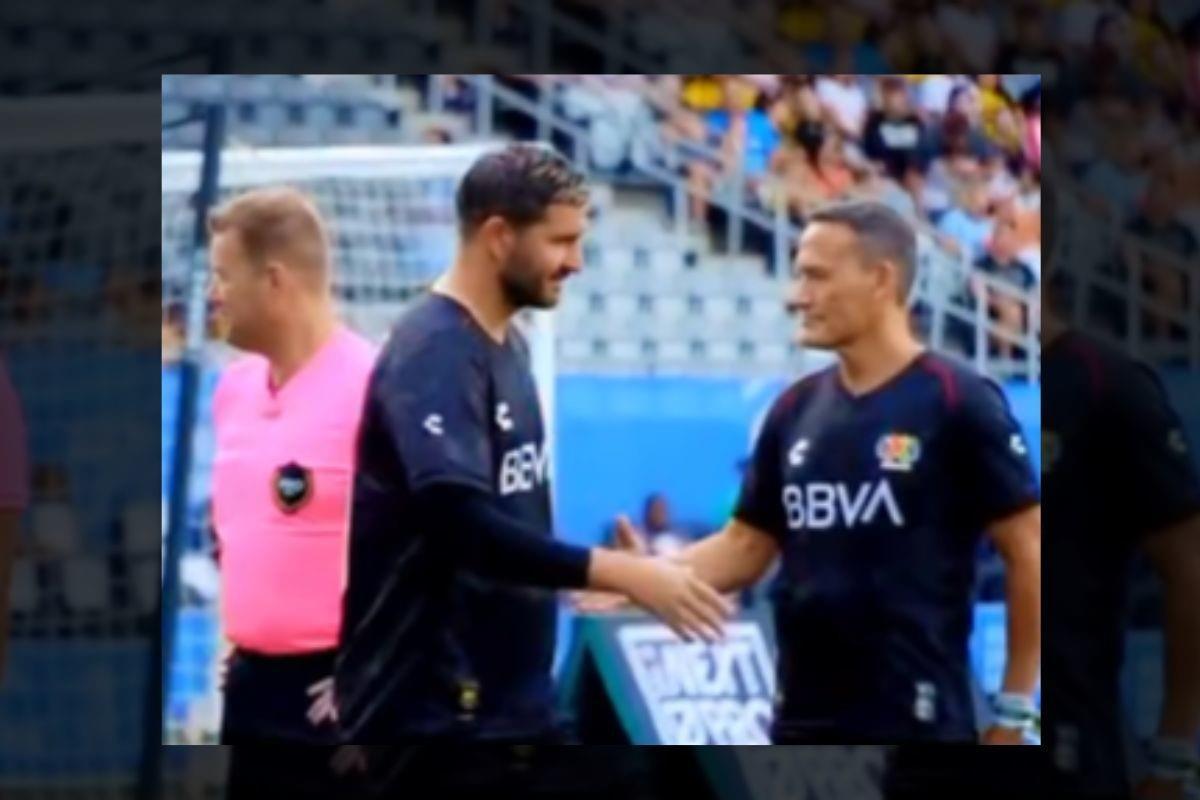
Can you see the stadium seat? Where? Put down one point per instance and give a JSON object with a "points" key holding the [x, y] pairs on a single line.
{"points": [[625, 351], [671, 309], [622, 307], [573, 349], [719, 310], [147, 581], [723, 352], [673, 352], [615, 266], [665, 262], [202, 87], [86, 584], [252, 87], [54, 528], [271, 115], [772, 355], [185, 137], [141, 528], [303, 135], [768, 307], [24, 594], [174, 110], [321, 116]]}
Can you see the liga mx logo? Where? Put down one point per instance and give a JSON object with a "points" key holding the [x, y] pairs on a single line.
{"points": [[699, 693], [897, 452]]}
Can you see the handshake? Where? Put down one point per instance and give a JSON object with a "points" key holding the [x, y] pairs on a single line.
{"points": [[667, 588]]}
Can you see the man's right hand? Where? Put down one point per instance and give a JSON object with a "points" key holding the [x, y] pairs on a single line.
{"points": [[670, 591]]}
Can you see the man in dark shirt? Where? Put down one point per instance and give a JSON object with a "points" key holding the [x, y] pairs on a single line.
{"points": [[894, 136], [449, 630], [872, 480], [1119, 476]]}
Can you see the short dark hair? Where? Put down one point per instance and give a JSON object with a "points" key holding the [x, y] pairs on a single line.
{"points": [[518, 183], [882, 233]]}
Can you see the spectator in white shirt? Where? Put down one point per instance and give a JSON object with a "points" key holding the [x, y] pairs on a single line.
{"points": [[845, 100]]}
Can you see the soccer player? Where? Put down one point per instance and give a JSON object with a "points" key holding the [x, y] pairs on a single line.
{"points": [[871, 481], [286, 417], [449, 629], [14, 495], [1120, 480]]}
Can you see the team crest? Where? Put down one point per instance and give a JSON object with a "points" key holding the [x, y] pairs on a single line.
{"points": [[292, 487], [898, 452]]}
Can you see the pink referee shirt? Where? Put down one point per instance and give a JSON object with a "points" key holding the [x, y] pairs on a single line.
{"points": [[282, 480], [14, 453]]}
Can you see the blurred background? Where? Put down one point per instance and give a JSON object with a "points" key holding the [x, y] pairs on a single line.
{"points": [[78, 216]]}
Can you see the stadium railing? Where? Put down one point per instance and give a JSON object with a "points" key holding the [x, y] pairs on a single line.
{"points": [[1102, 269], [943, 280]]}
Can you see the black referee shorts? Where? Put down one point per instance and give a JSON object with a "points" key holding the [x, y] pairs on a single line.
{"points": [[275, 749]]}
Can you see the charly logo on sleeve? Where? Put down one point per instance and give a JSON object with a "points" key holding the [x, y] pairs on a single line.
{"points": [[504, 419], [293, 486]]}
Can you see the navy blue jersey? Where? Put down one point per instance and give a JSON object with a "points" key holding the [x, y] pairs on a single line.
{"points": [[1116, 468], [428, 647], [877, 501]]}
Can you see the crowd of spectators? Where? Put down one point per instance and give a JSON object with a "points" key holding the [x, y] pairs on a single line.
{"points": [[959, 154], [956, 145]]}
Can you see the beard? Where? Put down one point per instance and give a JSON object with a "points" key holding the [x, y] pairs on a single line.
{"points": [[523, 285]]}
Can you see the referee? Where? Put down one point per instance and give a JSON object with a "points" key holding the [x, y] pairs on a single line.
{"points": [[286, 417]]}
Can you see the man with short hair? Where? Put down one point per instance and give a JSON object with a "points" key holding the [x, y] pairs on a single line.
{"points": [[450, 626], [286, 416], [871, 481], [1121, 483]]}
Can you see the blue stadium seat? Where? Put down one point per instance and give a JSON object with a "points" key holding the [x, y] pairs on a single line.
{"points": [[272, 115], [302, 135], [25, 594], [292, 87], [202, 87], [322, 116], [371, 118], [252, 87], [87, 584]]}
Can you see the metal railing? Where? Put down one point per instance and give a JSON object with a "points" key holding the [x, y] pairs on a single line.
{"points": [[550, 27], [1100, 261], [943, 287]]}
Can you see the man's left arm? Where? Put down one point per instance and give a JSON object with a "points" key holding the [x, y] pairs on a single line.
{"points": [[1175, 555], [1018, 539], [1004, 493], [1162, 482]]}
